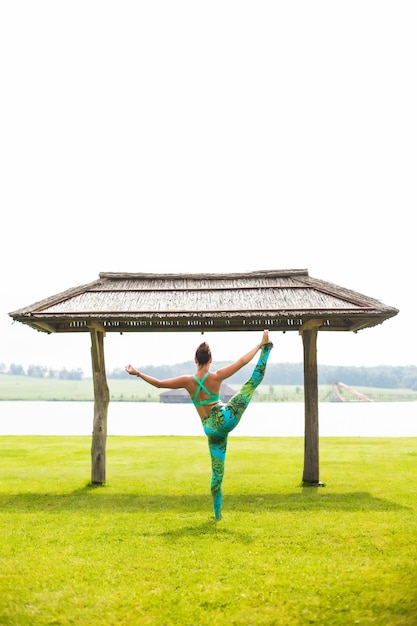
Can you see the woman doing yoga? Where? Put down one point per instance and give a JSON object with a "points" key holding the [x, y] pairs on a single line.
{"points": [[218, 419]]}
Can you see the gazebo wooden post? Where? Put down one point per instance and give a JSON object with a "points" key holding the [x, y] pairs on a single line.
{"points": [[101, 403], [311, 416]]}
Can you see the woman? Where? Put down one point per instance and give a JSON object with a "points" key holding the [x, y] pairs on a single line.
{"points": [[218, 419]]}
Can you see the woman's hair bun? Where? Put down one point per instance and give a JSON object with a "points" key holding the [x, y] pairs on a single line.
{"points": [[203, 353]]}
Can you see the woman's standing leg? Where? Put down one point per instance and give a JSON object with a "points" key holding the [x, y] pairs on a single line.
{"points": [[217, 447]]}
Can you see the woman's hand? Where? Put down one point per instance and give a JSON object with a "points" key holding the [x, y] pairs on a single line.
{"points": [[131, 370]]}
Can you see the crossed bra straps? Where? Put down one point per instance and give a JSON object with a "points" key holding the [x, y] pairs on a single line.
{"points": [[212, 397]]}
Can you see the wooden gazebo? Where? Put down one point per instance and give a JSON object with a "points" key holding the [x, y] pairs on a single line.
{"points": [[280, 300]]}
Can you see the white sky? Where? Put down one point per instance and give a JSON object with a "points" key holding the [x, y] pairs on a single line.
{"points": [[208, 137]]}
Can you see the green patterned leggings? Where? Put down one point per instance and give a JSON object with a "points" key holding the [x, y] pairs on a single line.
{"points": [[222, 419]]}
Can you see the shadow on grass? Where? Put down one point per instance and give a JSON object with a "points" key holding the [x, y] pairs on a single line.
{"points": [[212, 528], [96, 499]]}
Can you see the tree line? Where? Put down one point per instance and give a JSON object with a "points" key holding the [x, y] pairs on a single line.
{"points": [[40, 371], [380, 376]]}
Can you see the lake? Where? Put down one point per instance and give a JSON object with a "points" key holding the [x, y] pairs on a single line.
{"points": [[262, 419]]}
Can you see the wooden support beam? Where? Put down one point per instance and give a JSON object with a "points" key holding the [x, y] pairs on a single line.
{"points": [[311, 324], [96, 326], [311, 416], [101, 403], [44, 327], [358, 326]]}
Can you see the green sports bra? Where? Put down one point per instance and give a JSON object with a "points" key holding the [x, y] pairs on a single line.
{"points": [[212, 397]]}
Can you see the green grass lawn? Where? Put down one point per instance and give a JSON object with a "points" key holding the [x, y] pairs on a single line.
{"points": [[144, 549]]}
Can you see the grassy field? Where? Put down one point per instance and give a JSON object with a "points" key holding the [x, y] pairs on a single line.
{"points": [[144, 549], [129, 390]]}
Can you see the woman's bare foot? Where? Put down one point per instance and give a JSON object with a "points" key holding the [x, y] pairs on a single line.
{"points": [[265, 337]]}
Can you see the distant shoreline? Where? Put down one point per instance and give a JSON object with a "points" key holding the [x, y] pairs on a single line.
{"points": [[25, 388]]}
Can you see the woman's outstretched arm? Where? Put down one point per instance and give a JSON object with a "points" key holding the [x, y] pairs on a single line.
{"points": [[179, 382]]}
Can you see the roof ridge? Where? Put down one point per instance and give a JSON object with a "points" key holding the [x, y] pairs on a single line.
{"points": [[206, 276]]}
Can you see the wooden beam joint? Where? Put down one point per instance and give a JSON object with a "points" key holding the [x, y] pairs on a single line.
{"points": [[311, 325]]}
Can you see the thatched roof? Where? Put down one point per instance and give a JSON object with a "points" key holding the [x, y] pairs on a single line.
{"points": [[274, 299]]}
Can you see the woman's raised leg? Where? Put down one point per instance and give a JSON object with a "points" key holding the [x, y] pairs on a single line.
{"points": [[240, 401]]}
